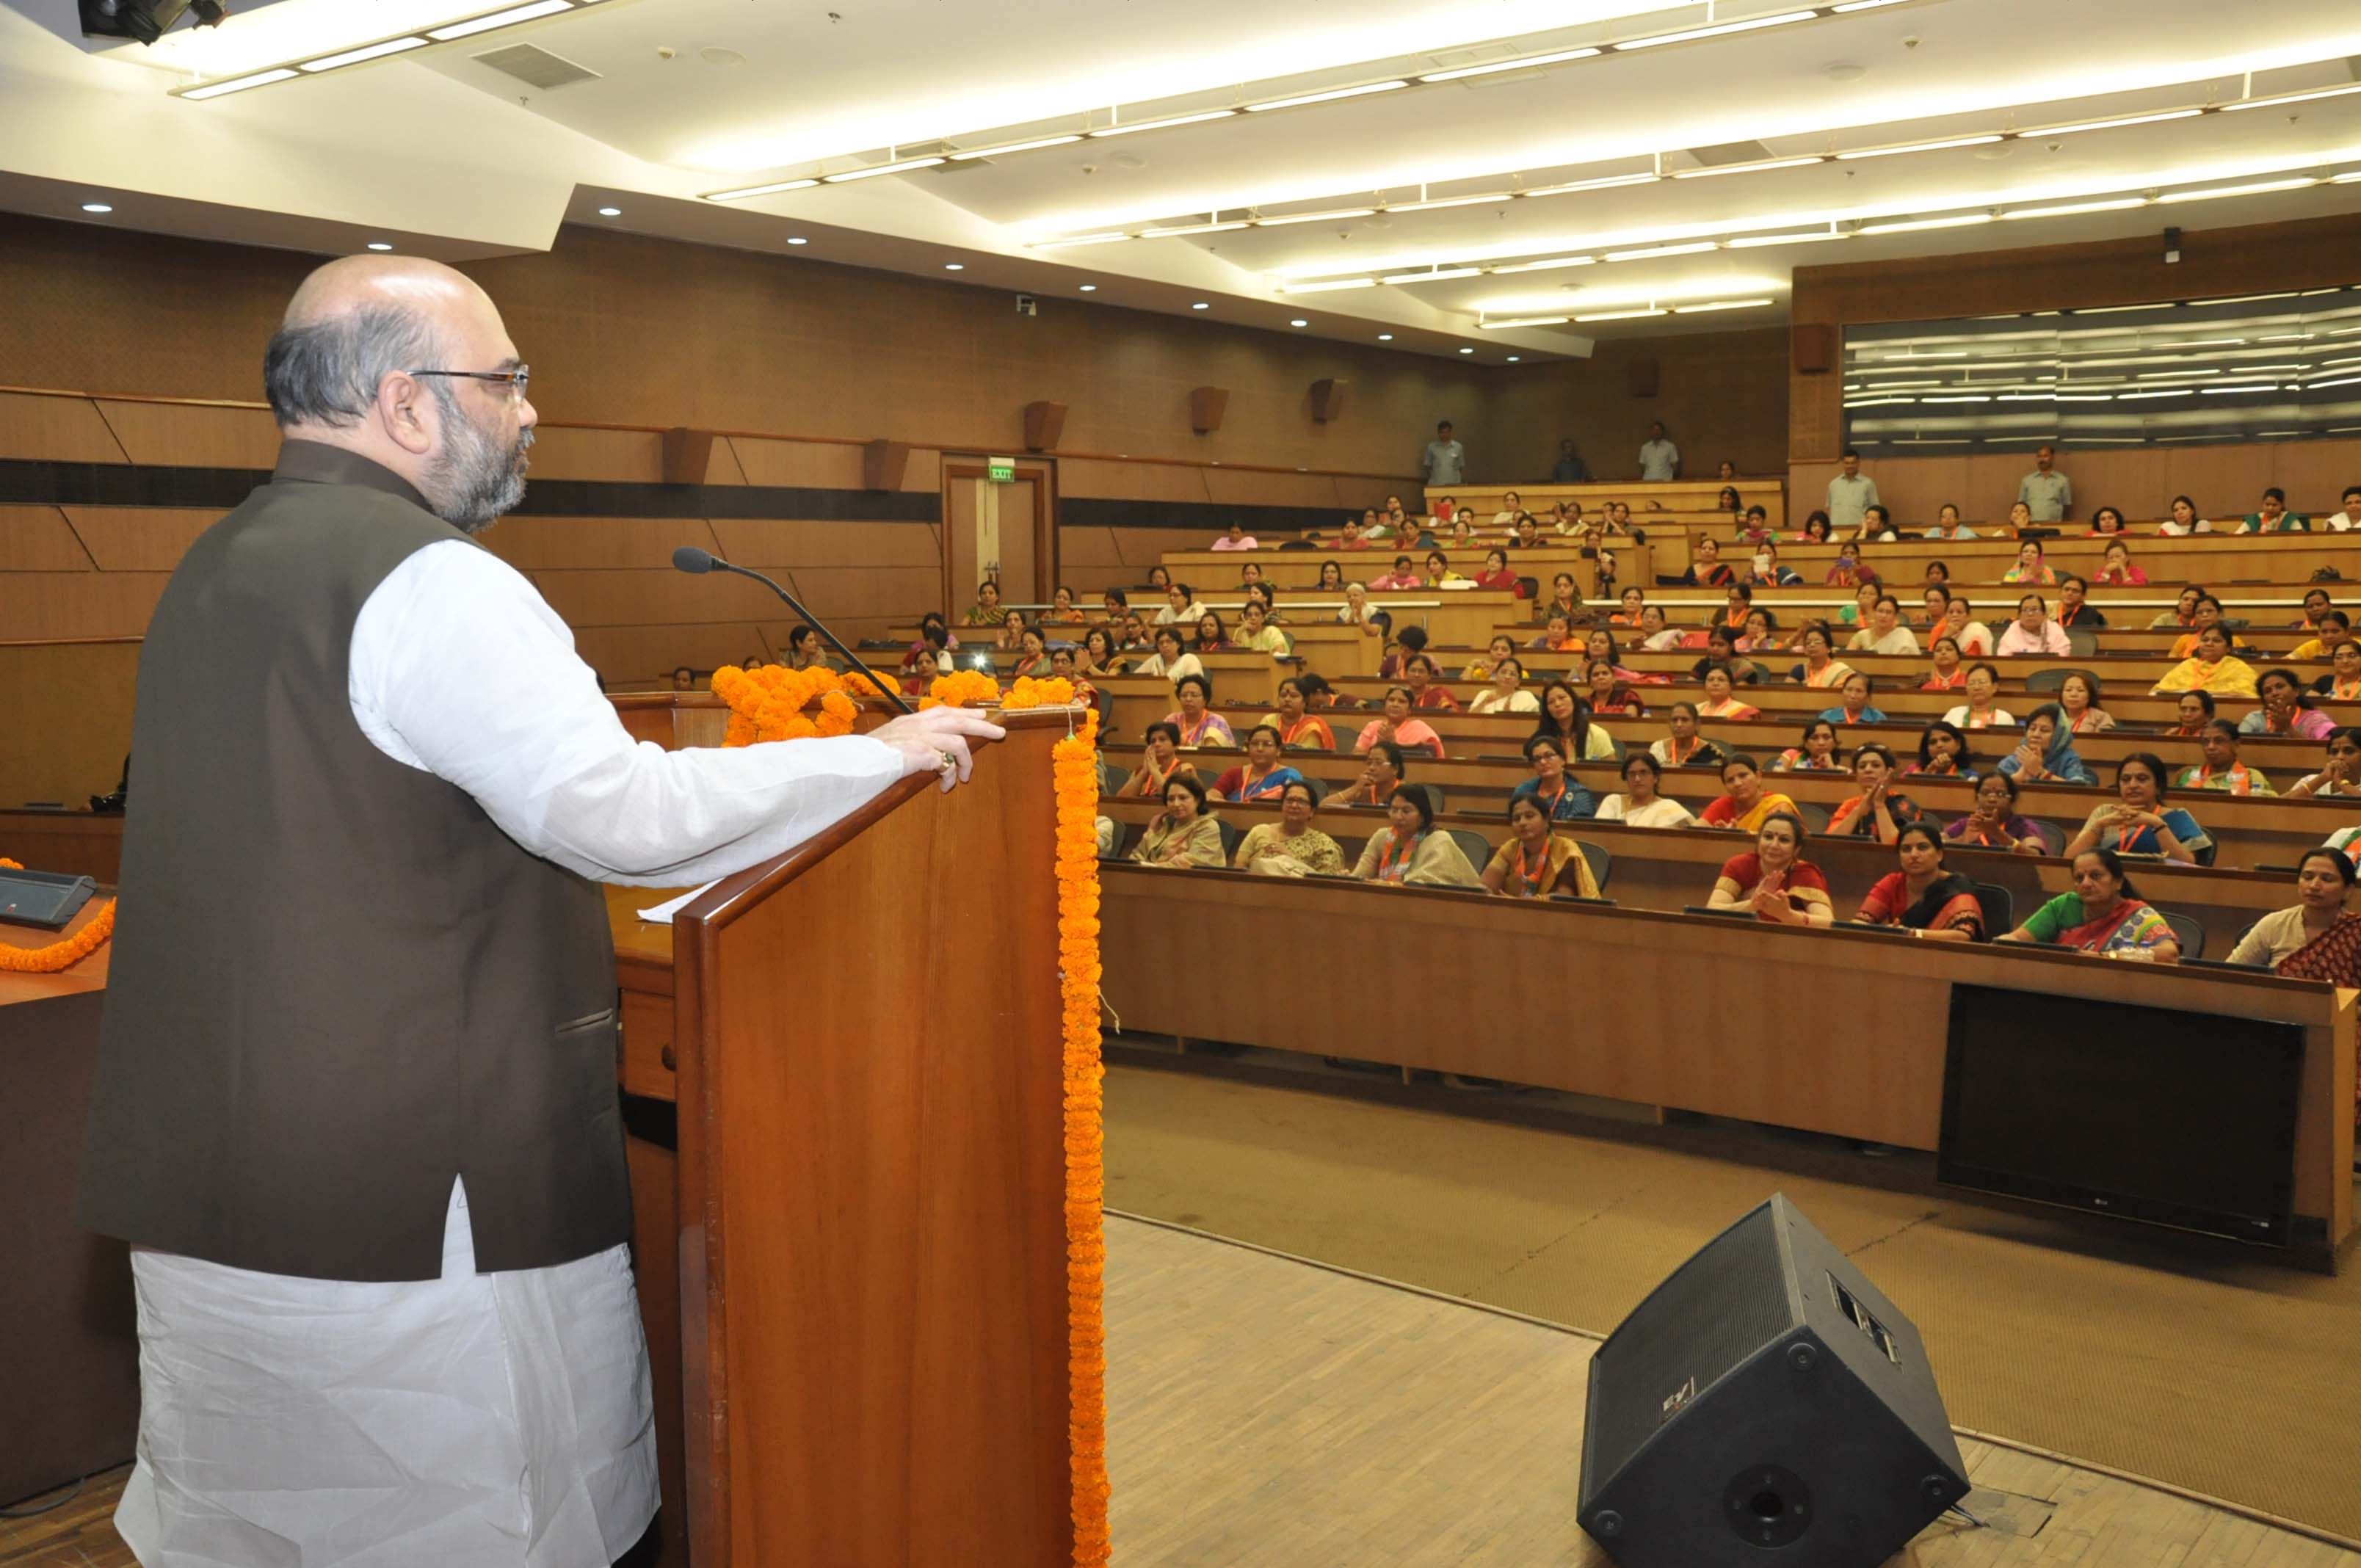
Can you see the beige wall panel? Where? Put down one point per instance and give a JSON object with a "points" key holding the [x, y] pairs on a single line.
{"points": [[177, 435], [624, 455], [1087, 476], [37, 538], [655, 597], [2312, 473], [1233, 486], [47, 606], [532, 543], [141, 539], [769, 544], [924, 473], [61, 430], [66, 725], [1720, 394], [898, 593], [826, 465], [639, 654]]}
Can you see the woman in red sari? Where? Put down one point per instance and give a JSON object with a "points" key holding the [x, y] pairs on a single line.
{"points": [[2317, 939], [1774, 879], [1924, 897]]}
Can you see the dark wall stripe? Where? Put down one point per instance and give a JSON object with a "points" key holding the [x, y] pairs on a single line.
{"points": [[122, 485], [1211, 517]]}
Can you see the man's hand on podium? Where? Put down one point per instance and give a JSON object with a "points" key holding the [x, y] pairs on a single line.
{"points": [[934, 742]]}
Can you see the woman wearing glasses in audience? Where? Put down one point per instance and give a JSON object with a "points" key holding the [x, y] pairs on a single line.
{"points": [[1683, 747], [1565, 718], [1507, 693], [1168, 660], [1643, 803], [1356, 611], [1382, 771], [1981, 711], [2317, 939], [1945, 673], [1262, 776], [1879, 808], [2222, 770], [1184, 833], [2047, 754], [1162, 763], [1744, 803], [1409, 851], [1396, 726], [1032, 655], [2287, 709], [2343, 682], [2212, 668], [2339, 775], [1816, 753], [2141, 822], [1942, 753], [1719, 701], [1994, 823], [2102, 917], [1290, 846], [1821, 668], [1195, 719], [1925, 897], [1562, 798], [1855, 708], [1774, 879], [1300, 729], [1534, 863], [2080, 696]]}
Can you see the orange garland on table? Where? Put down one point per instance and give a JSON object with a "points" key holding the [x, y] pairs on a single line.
{"points": [[960, 688], [61, 955], [775, 703], [1074, 768]]}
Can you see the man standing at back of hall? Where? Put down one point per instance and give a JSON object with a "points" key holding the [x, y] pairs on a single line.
{"points": [[1444, 462], [2047, 492], [356, 1102], [1850, 495], [1660, 460]]}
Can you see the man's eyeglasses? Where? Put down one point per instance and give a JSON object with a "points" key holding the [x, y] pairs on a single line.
{"points": [[514, 380]]}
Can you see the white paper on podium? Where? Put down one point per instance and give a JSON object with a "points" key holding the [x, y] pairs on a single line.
{"points": [[662, 913]]}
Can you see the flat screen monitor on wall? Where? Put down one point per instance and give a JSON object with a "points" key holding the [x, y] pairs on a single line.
{"points": [[2143, 1114]]}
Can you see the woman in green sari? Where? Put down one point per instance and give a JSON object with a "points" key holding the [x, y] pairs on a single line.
{"points": [[1184, 833], [2104, 917]]}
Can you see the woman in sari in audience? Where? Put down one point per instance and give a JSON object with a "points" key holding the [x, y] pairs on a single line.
{"points": [[1479, 668], [1974, 638], [2343, 682], [1642, 802], [2140, 822], [1943, 752], [1879, 808], [1980, 711], [1735, 608], [2317, 939], [1815, 528], [1262, 776], [1356, 611], [1565, 718], [1924, 897], [2030, 567], [1600, 644], [1821, 668], [1719, 703], [1382, 773], [2213, 668], [1721, 648], [2183, 520], [1495, 573], [2079, 695], [1290, 846], [1817, 753], [1162, 763], [1396, 726], [1654, 635], [1063, 611], [1184, 833], [1409, 851], [1169, 659], [2286, 710], [1101, 657], [1994, 823], [1855, 708], [1507, 693], [1563, 600], [1061, 668], [2047, 754], [1299, 729], [1033, 655], [2339, 775], [1774, 879], [1011, 635], [2105, 916], [1762, 633], [2192, 715], [1946, 674], [1632, 607], [986, 609], [1212, 635], [1682, 746], [2208, 613], [1744, 803], [1534, 863], [1608, 693], [1418, 675], [1198, 723], [1332, 578], [1706, 569], [2117, 571], [2222, 770], [1562, 799]]}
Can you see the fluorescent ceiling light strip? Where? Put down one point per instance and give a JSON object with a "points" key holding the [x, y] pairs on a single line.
{"points": [[2174, 392], [2249, 387], [1718, 305], [239, 84], [1748, 242], [1915, 225], [1286, 218], [2263, 188], [1863, 5], [1195, 228], [1917, 147], [2290, 98], [1327, 287], [1520, 321], [1328, 97], [745, 191], [1527, 64], [1108, 238], [367, 52], [1973, 399], [2038, 134], [1553, 264], [1621, 316], [1708, 173], [2345, 179], [1718, 30], [1645, 252], [509, 17], [2074, 209], [2341, 381], [874, 170], [1015, 147], [1437, 275], [1453, 202], [1165, 123], [1608, 182]]}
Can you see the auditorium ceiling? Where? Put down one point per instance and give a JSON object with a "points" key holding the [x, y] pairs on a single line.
{"points": [[1493, 177]]}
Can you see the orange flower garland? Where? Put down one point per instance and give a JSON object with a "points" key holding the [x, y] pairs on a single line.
{"points": [[61, 955], [1053, 692], [774, 702], [960, 688], [1075, 768]]}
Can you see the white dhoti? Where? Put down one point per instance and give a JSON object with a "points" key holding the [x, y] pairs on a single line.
{"points": [[478, 1421]]}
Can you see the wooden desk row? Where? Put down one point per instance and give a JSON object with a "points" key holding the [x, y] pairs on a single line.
{"points": [[2134, 641], [1297, 572], [1858, 1054]]}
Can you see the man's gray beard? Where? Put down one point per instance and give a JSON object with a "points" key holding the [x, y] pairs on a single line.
{"points": [[472, 481]]}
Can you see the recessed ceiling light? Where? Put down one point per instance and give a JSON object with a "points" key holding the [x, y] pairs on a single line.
{"points": [[1385, 337], [1467, 351], [1090, 288], [97, 207], [1201, 305], [610, 211], [1299, 322], [798, 239], [1514, 358], [954, 266], [378, 245]]}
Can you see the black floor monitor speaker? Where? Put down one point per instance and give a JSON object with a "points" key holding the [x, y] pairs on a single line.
{"points": [[1763, 1406]]}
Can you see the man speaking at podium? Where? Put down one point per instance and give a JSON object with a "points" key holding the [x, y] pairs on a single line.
{"points": [[356, 1107]]}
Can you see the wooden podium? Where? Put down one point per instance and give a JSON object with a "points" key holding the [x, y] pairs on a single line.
{"points": [[843, 1090]]}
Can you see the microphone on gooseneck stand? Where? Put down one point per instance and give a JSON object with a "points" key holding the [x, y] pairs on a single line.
{"points": [[689, 558]]}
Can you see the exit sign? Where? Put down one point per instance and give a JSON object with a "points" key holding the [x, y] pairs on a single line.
{"points": [[1001, 470]]}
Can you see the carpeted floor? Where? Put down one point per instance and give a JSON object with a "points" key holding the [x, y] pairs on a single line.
{"points": [[2234, 1379]]}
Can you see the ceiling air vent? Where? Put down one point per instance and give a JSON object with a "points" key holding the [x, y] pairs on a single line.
{"points": [[1731, 152], [535, 66]]}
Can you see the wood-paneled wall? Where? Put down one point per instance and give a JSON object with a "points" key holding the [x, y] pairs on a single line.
{"points": [[1720, 394]]}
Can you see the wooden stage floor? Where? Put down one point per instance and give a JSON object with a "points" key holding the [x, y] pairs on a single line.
{"points": [[1267, 1412]]}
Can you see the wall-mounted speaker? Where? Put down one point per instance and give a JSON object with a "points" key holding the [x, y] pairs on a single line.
{"points": [[1206, 405], [1327, 400], [1764, 1403], [1044, 422], [883, 464], [1816, 348], [1645, 376], [686, 455]]}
